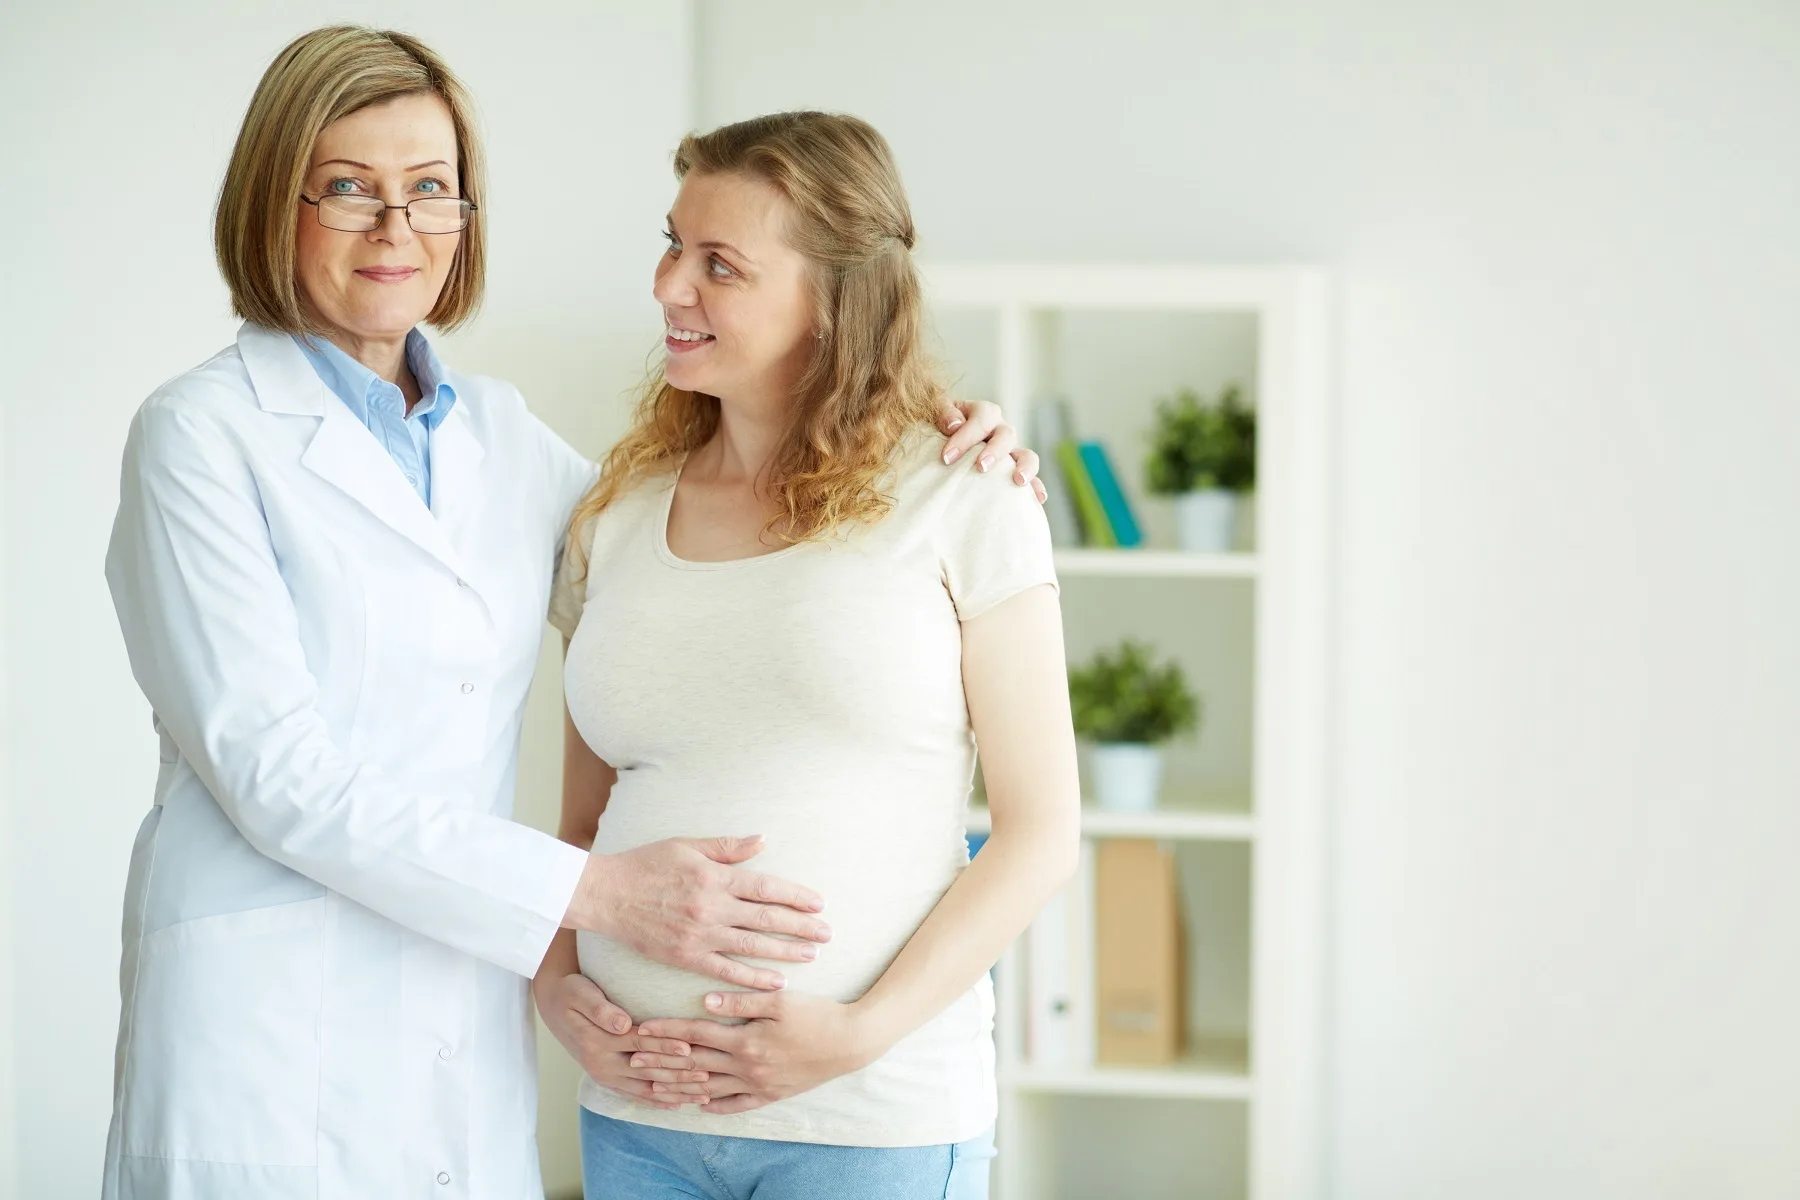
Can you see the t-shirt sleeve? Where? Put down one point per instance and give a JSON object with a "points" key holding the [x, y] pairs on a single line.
{"points": [[568, 596], [993, 542]]}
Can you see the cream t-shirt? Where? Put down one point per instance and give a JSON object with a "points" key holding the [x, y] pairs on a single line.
{"points": [[813, 695]]}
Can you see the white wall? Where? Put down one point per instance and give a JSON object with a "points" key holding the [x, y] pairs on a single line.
{"points": [[8, 1092], [1566, 915], [120, 118]]}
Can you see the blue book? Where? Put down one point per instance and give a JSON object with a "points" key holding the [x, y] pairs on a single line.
{"points": [[1112, 497]]}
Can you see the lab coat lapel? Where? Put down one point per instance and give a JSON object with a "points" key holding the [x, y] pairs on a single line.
{"points": [[456, 455], [346, 455], [342, 452], [456, 482]]}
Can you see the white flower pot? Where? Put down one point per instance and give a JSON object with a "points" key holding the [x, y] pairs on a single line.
{"points": [[1127, 776], [1204, 521]]}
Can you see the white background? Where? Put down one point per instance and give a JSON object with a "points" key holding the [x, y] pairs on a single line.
{"points": [[1567, 813]]}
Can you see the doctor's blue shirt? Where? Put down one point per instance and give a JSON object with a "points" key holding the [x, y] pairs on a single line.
{"points": [[379, 405]]}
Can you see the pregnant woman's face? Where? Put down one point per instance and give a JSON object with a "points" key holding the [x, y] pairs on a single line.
{"points": [[735, 295], [380, 283]]}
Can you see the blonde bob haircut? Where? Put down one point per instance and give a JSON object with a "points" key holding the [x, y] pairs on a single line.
{"points": [[870, 381], [320, 77]]}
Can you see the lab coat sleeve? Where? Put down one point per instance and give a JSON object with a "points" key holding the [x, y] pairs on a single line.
{"points": [[214, 643]]}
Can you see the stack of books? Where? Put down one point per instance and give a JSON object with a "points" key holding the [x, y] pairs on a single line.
{"points": [[1086, 507], [1105, 515]]}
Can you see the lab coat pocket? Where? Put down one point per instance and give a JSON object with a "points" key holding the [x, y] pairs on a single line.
{"points": [[224, 1060]]}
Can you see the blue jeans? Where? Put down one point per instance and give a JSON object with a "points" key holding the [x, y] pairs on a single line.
{"points": [[623, 1161]]}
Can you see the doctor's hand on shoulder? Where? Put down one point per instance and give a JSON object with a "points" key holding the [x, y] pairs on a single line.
{"points": [[980, 425], [683, 901]]}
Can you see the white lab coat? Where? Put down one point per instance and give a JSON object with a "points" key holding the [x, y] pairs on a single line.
{"points": [[330, 918]]}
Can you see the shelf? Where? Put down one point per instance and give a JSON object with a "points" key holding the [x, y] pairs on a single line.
{"points": [[1214, 1069], [1172, 823], [1156, 564]]}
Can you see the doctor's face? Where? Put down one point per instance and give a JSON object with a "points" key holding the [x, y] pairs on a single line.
{"points": [[736, 297], [374, 286]]}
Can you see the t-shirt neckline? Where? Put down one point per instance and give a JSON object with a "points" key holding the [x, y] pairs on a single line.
{"points": [[660, 536]]}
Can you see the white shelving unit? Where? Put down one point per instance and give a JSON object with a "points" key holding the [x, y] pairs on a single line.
{"points": [[1253, 1096]]}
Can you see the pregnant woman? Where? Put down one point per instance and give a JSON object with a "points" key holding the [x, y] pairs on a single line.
{"points": [[823, 624]]}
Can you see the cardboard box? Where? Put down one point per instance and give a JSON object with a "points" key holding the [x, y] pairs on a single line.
{"points": [[1139, 954]]}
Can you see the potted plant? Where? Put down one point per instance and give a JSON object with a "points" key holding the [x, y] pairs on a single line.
{"points": [[1204, 455], [1129, 705]]}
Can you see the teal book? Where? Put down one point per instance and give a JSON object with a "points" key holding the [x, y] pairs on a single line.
{"points": [[1112, 496]]}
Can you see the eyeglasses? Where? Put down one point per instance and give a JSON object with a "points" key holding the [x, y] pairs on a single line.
{"points": [[360, 214]]}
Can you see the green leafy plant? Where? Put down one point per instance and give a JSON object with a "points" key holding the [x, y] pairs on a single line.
{"points": [[1122, 696], [1200, 447]]}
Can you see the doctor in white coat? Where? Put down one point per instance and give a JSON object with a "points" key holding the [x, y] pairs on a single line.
{"points": [[331, 564]]}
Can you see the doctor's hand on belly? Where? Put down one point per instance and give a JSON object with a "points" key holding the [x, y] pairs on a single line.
{"points": [[790, 1043], [682, 902]]}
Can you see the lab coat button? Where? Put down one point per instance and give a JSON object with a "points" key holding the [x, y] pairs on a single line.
{"points": [[443, 1177], [446, 1053], [467, 688]]}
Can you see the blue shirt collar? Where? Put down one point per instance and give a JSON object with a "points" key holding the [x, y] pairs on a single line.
{"points": [[361, 389]]}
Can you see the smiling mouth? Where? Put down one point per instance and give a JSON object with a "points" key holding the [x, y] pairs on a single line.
{"points": [[387, 274], [684, 341]]}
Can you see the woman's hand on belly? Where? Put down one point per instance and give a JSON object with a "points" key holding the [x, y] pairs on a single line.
{"points": [[791, 1043], [582, 1018]]}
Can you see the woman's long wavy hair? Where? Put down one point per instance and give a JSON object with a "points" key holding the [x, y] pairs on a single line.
{"points": [[870, 381]]}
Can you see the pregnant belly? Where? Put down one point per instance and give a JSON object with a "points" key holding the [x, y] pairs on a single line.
{"points": [[879, 885]]}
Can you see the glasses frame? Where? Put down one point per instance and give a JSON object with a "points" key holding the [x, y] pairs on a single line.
{"points": [[469, 209]]}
